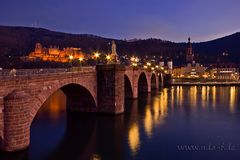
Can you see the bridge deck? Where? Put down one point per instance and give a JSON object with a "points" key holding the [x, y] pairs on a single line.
{"points": [[9, 74]]}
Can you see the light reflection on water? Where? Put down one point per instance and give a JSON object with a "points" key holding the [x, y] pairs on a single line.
{"points": [[133, 138], [214, 96], [151, 127], [55, 106], [232, 100]]}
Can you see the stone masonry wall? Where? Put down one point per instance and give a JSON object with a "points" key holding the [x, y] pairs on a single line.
{"points": [[1, 120]]}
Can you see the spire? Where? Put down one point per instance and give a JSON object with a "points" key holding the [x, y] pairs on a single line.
{"points": [[189, 42], [189, 54]]}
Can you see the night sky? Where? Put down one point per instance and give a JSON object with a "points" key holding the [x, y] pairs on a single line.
{"points": [[173, 20]]}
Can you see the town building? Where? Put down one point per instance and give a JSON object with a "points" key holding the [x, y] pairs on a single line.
{"points": [[170, 66], [225, 72], [192, 70]]}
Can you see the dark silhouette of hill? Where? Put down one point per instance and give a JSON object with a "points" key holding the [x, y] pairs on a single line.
{"points": [[215, 48], [20, 41], [230, 44]]}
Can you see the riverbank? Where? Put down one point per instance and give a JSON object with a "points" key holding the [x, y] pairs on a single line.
{"points": [[205, 83]]}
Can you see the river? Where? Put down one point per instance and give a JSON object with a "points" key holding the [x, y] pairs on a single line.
{"points": [[180, 122]]}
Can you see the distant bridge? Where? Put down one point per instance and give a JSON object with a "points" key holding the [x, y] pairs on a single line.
{"points": [[100, 89]]}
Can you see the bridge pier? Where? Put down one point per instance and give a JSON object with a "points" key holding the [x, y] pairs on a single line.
{"points": [[135, 91], [161, 80], [16, 122], [110, 88]]}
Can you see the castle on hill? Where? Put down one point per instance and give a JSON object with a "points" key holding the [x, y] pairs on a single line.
{"points": [[55, 54]]}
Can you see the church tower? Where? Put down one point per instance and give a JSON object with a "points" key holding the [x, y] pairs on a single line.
{"points": [[189, 55]]}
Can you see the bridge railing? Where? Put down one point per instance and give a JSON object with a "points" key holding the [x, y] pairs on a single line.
{"points": [[136, 68], [31, 72]]}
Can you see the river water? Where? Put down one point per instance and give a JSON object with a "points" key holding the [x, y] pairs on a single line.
{"points": [[181, 122]]}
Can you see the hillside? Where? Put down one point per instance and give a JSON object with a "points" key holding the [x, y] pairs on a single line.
{"points": [[229, 44], [20, 41]]}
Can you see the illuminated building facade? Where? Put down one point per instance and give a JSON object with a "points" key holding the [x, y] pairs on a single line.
{"points": [[55, 54], [192, 70], [170, 66], [225, 72]]}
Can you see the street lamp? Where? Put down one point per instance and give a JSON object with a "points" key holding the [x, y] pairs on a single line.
{"points": [[134, 64], [136, 59], [148, 64], [132, 59], [108, 57], [96, 55], [71, 59], [80, 61]]}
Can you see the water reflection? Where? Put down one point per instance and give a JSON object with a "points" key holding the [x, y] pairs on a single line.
{"points": [[54, 107], [193, 96], [204, 92], [155, 112], [179, 96], [148, 122], [172, 97], [134, 138], [223, 91], [214, 96], [232, 100], [150, 128], [163, 108]]}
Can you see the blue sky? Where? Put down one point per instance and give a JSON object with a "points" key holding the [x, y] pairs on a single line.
{"points": [[173, 20]]}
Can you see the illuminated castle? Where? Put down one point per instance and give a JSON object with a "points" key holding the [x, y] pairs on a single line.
{"points": [[55, 54]]}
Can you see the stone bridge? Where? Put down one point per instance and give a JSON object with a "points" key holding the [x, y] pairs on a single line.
{"points": [[100, 89]]}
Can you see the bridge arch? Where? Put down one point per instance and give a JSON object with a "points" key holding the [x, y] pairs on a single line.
{"points": [[128, 88], [142, 83], [78, 98], [153, 81], [21, 108]]}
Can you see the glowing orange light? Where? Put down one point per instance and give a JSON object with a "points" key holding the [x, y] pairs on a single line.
{"points": [[71, 57], [108, 57], [148, 64], [96, 54]]}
